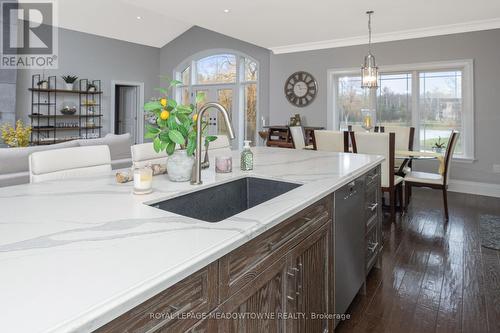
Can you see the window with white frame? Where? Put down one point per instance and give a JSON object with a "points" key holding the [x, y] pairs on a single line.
{"points": [[434, 98], [228, 78]]}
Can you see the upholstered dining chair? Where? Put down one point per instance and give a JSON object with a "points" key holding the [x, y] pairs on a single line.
{"points": [[298, 137], [404, 141], [382, 144], [335, 141], [434, 180], [144, 154], [69, 162]]}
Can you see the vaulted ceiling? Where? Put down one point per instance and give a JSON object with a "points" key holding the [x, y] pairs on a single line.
{"points": [[279, 25]]}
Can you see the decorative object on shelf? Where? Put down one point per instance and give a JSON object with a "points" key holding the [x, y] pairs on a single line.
{"points": [[91, 88], [43, 84], [369, 71], [68, 110], [18, 136], [439, 145], [368, 116], [295, 120], [143, 180], [70, 81], [301, 89], [223, 164], [175, 126], [246, 157]]}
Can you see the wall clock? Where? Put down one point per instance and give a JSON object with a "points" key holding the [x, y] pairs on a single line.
{"points": [[301, 89]]}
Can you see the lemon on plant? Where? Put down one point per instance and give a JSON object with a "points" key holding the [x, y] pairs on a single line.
{"points": [[195, 116], [164, 115], [163, 102]]}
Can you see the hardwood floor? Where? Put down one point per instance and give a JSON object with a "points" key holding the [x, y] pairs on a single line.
{"points": [[435, 276]]}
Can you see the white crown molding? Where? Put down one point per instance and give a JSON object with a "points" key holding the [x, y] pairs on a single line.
{"points": [[391, 36], [463, 186]]}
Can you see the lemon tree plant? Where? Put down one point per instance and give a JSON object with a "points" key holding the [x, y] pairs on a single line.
{"points": [[175, 123]]}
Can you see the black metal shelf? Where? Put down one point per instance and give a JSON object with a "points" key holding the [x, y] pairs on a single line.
{"points": [[44, 111]]}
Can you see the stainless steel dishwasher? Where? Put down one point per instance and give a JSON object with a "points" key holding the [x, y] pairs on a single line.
{"points": [[349, 243]]}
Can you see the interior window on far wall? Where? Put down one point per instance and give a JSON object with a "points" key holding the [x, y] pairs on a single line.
{"points": [[435, 101], [229, 79]]}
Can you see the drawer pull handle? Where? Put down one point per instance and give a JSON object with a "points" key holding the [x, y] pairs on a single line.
{"points": [[173, 307], [290, 298], [373, 206], [373, 246], [290, 274], [372, 178]]}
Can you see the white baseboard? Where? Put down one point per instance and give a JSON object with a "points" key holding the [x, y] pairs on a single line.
{"points": [[464, 186]]}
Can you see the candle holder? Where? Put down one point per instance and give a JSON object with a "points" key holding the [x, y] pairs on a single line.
{"points": [[368, 116], [143, 180]]}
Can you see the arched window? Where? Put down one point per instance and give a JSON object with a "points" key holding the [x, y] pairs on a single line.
{"points": [[227, 77]]}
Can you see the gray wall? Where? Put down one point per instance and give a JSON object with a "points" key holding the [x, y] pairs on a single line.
{"points": [[482, 46], [199, 39], [94, 57]]}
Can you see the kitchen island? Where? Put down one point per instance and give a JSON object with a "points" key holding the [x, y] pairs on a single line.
{"points": [[76, 254]]}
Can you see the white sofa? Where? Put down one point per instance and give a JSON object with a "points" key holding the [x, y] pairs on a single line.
{"points": [[14, 162]]}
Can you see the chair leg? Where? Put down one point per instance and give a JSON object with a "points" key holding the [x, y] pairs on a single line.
{"points": [[392, 202], [407, 195], [400, 197], [445, 201]]}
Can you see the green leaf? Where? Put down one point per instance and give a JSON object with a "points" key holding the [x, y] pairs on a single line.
{"points": [[176, 137], [152, 129], [211, 138], [162, 123], [150, 135], [171, 104], [164, 137], [157, 144], [191, 146], [151, 106], [175, 83], [184, 109], [170, 148], [162, 90]]}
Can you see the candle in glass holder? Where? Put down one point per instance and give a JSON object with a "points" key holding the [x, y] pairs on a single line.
{"points": [[223, 164], [143, 180]]}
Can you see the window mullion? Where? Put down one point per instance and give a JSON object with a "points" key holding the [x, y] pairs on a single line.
{"points": [[415, 111]]}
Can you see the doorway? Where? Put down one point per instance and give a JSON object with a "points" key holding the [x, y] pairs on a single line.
{"points": [[226, 97], [127, 117]]}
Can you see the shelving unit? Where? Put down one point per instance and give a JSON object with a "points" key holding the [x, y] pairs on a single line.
{"points": [[46, 117]]}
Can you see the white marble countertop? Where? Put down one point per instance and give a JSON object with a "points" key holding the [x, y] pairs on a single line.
{"points": [[75, 254]]}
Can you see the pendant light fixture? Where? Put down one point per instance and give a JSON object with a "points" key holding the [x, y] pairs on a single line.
{"points": [[369, 71]]}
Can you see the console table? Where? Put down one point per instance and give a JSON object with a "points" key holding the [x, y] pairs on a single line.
{"points": [[279, 136]]}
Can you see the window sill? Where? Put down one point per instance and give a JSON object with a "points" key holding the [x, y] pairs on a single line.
{"points": [[464, 159]]}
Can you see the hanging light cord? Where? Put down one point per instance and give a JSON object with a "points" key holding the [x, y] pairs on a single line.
{"points": [[370, 12]]}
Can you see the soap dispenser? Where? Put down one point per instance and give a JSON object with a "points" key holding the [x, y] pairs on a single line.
{"points": [[246, 157]]}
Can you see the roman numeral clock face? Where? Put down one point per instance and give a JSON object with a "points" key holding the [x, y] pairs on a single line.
{"points": [[301, 89]]}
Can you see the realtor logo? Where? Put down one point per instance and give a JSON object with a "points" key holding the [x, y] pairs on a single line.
{"points": [[29, 35]]}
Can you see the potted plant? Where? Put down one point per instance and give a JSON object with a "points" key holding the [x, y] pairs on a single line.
{"points": [[439, 145], [70, 81], [175, 132], [18, 136]]}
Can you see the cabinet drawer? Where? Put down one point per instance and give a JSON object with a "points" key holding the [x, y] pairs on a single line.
{"points": [[162, 313], [372, 246], [371, 203], [249, 260], [372, 177]]}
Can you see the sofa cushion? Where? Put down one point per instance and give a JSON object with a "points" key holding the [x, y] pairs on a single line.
{"points": [[119, 145], [15, 160]]}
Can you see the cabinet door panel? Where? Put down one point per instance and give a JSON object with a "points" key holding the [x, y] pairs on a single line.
{"points": [[255, 307], [308, 293]]}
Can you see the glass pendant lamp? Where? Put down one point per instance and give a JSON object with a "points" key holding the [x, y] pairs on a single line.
{"points": [[369, 71]]}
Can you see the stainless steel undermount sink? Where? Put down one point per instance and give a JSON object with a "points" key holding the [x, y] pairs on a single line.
{"points": [[219, 202]]}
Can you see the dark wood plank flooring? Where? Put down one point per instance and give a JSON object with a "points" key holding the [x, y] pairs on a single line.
{"points": [[435, 276]]}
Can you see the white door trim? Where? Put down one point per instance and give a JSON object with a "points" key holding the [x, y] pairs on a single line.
{"points": [[140, 103]]}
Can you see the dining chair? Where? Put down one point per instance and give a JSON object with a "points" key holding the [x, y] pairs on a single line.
{"points": [[404, 141], [144, 154], [434, 180], [382, 144], [298, 138], [69, 162], [335, 141]]}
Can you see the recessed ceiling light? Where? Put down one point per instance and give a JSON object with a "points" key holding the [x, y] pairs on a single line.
{"points": [[139, 17], [226, 11]]}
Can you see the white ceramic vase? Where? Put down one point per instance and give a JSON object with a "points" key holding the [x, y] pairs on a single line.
{"points": [[180, 166], [69, 86]]}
